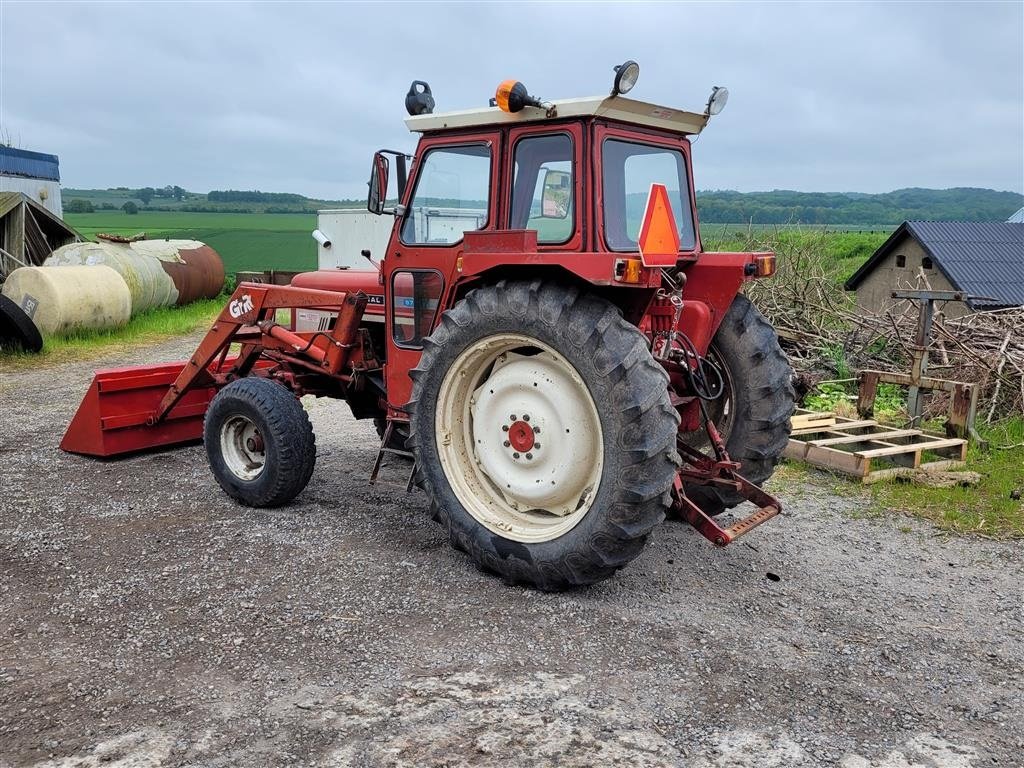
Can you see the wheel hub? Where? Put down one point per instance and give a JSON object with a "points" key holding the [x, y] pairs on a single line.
{"points": [[520, 436], [242, 447]]}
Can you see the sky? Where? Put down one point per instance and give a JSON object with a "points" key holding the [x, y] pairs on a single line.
{"points": [[295, 97]]}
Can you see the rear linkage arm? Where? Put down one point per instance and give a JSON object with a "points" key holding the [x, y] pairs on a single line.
{"points": [[678, 353]]}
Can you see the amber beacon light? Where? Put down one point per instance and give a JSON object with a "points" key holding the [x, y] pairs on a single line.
{"points": [[512, 96]]}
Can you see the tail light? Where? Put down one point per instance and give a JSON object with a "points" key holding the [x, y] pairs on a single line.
{"points": [[764, 265]]}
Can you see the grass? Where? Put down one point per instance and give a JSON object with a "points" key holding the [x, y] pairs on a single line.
{"points": [[987, 509], [145, 328], [245, 241], [844, 251]]}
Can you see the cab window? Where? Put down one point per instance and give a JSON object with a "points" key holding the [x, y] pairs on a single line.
{"points": [[628, 171], [543, 188], [451, 197]]}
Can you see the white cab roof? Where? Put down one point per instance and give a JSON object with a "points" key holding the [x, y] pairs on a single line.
{"points": [[608, 107]]}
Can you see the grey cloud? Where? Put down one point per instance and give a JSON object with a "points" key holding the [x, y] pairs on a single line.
{"points": [[295, 97]]}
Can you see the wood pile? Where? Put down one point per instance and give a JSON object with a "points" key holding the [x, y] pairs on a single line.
{"points": [[827, 337]]}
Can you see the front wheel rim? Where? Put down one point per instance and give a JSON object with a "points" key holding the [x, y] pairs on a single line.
{"points": [[242, 446], [519, 438]]}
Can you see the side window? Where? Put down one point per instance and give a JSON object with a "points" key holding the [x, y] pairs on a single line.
{"points": [[543, 188], [415, 295], [451, 197], [629, 170]]}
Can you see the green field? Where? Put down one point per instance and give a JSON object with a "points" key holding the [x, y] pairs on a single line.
{"points": [[261, 241], [246, 241]]}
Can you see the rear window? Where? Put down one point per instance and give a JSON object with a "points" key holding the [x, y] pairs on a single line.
{"points": [[628, 170]]}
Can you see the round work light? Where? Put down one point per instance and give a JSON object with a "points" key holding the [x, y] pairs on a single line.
{"points": [[626, 75], [717, 101]]}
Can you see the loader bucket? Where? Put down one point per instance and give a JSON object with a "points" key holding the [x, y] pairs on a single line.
{"points": [[112, 419]]}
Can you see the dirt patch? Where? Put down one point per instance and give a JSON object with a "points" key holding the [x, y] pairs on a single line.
{"points": [[146, 620]]}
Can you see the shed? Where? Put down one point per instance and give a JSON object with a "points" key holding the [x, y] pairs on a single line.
{"points": [[34, 174], [985, 260], [28, 232]]}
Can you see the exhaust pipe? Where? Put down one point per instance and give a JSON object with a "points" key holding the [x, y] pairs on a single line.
{"points": [[321, 238]]}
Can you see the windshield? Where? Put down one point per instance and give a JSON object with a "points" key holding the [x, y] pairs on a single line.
{"points": [[629, 169], [451, 197]]}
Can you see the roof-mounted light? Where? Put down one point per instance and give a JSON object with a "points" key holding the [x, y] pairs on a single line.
{"points": [[717, 101], [419, 100], [512, 96], [626, 75]]}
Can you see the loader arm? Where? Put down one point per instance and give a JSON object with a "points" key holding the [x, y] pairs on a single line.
{"points": [[144, 407]]}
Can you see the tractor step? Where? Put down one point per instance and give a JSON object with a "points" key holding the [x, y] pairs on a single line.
{"points": [[385, 447]]}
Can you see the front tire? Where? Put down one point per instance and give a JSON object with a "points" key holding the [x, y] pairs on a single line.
{"points": [[260, 443], [754, 411], [543, 432]]}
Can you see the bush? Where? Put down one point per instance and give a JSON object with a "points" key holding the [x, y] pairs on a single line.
{"points": [[78, 205], [130, 208]]}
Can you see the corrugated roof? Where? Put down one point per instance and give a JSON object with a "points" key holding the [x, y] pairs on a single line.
{"points": [[34, 165], [982, 259]]}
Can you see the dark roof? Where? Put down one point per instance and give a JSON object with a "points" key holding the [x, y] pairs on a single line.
{"points": [[983, 259], [35, 165]]}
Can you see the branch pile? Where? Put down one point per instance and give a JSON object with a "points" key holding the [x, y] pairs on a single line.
{"points": [[826, 336]]}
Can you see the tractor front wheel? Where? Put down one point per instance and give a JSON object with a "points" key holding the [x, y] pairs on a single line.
{"points": [[543, 433], [259, 442]]}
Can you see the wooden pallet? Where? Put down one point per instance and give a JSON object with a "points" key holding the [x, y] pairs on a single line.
{"points": [[866, 449]]}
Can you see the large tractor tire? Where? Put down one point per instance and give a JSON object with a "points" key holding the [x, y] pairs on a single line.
{"points": [[543, 433], [259, 442], [754, 410]]}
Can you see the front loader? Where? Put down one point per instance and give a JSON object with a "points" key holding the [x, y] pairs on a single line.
{"points": [[545, 337]]}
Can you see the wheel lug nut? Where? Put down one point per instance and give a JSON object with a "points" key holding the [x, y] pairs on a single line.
{"points": [[529, 455], [536, 430], [515, 455], [537, 446], [507, 443], [513, 417], [504, 427], [526, 417]]}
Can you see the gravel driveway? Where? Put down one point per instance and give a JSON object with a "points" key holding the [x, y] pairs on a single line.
{"points": [[147, 620]]}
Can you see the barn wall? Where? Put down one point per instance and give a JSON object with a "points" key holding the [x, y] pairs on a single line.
{"points": [[873, 294], [42, 191]]}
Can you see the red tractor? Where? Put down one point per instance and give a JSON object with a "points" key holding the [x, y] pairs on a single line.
{"points": [[544, 337]]}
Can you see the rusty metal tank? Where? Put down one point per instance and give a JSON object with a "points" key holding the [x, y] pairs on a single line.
{"points": [[159, 273]]}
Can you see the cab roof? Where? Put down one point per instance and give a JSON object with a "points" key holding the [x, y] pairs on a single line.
{"points": [[607, 107]]}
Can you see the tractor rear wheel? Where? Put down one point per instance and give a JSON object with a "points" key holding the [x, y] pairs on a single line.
{"points": [[754, 410], [259, 442], [543, 433]]}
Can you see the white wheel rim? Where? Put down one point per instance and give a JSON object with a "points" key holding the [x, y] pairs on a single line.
{"points": [[519, 438], [242, 447]]}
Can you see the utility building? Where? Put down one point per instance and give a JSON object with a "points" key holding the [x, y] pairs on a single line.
{"points": [[35, 174], [984, 260]]}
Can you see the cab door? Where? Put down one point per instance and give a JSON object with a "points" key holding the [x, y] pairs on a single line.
{"points": [[453, 191]]}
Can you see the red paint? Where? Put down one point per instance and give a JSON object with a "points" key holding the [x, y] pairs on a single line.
{"points": [[520, 435]]}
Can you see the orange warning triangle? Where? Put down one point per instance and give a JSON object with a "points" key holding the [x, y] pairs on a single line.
{"points": [[659, 238]]}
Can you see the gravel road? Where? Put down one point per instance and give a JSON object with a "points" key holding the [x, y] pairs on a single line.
{"points": [[146, 620]]}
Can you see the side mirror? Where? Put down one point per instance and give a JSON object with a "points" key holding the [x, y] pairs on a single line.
{"points": [[556, 194], [378, 184]]}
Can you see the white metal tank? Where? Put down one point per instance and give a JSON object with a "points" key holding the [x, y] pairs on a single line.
{"points": [[65, 300]]}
